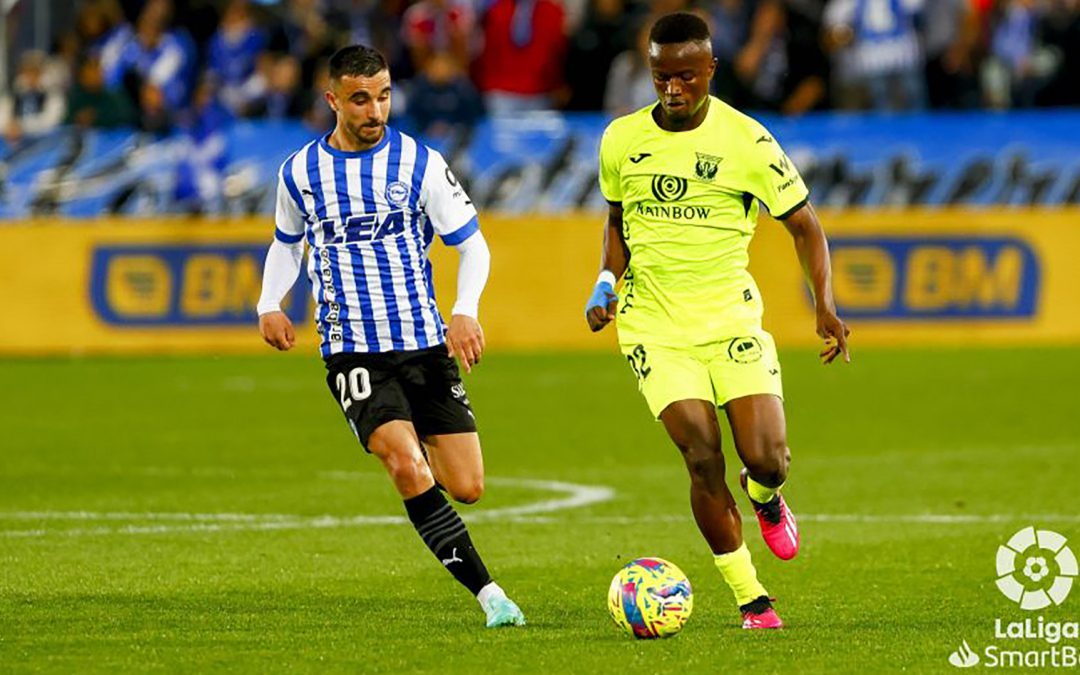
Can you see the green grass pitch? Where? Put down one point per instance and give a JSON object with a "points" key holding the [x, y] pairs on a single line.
{"points": [[201, 514]]}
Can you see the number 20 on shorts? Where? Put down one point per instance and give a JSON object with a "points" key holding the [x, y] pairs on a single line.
{"points": [[356, 386]]}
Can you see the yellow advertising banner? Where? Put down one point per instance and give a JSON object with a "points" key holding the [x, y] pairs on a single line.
{"points": [[900, 277]]}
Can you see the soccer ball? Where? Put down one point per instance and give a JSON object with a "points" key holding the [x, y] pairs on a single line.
{"points": [[650, 598]]}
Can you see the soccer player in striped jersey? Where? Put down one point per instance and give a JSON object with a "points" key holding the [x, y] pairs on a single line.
{"points": [[683, 178], [369, 200]]}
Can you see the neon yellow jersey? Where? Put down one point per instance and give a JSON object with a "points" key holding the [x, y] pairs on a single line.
{"points": [[690, 206]]}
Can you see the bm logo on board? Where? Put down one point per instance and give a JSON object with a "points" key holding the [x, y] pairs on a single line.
{"points": [[936, 277], [183, 285]]}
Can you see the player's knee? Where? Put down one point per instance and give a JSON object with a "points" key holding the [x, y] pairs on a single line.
{"points": [[469, 491], [770, 465]]}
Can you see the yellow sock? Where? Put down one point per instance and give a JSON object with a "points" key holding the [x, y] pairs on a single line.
{"points": [[760, 493], [739, 573]]}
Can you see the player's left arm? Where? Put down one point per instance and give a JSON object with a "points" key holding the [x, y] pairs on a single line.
{"points": [[813, 251], [465, 337], [774, 179], [454, 219]]}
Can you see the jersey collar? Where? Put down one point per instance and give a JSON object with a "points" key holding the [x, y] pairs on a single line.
{"points": [[713, 101], [324, 143]]}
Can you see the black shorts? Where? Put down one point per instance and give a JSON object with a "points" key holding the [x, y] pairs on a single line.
{"points": [[422, 386]]}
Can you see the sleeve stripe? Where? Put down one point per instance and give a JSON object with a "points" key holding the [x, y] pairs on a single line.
{"points": [[790, 212], [462, 233], [290, 183], [287, 238]]}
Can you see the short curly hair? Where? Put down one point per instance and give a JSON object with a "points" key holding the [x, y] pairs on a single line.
{"points": [[679, 27]]}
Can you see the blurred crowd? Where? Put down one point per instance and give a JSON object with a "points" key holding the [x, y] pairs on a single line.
{"points": [[194, 65]]}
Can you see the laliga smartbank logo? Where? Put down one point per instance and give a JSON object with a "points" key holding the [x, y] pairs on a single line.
{"points": [[1035, 570]]}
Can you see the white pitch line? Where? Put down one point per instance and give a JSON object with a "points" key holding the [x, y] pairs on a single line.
{"points": [[856, 518], [573, 496], [132, 515], [277, 522]]}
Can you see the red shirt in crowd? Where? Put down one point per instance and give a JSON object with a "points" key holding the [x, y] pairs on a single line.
{"points": [[535, 67], [435, 23]]}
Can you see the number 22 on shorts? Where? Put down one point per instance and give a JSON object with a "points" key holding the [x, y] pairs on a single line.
{"points": [[354, 387], [637, 362]]}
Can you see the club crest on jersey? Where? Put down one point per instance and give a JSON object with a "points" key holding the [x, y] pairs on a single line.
{"points": [[706, 166], [397, 193]]}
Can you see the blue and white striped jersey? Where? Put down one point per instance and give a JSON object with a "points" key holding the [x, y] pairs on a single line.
{"points": [[369, 218], [885, 36]]}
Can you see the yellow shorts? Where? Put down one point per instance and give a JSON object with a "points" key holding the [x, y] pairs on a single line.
{"points": [[717, 372]]}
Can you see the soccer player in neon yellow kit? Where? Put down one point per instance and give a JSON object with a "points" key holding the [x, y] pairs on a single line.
{"points": [[683, 178]]}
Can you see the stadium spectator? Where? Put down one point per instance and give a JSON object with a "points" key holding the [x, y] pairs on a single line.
{"points": [[760, 65], [1061, 31], [154, 55], [630, 82], [317, 114], [198, 19], [36, 103], [376, 23], [879, 51], [232, 55], [805, 85], [443, 100], [204, 152], [155, 113], [605, 33], [781, 67], [1018, 67], [729, 22], [93, 24], [520, 67], [92, 104], [112, 45], [280, 98], [307, 32], [439, 27], [249, 100], [950, 36]]}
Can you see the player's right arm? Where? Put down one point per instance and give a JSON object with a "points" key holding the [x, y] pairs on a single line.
{"points": [[614, 256], [281, 269]]}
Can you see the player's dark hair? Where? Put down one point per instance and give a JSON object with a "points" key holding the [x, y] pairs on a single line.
{"points": [[356, 61], [679, 27]]}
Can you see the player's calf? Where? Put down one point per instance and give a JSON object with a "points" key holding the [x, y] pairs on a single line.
{"points": [[445, 534], [458, 465]]}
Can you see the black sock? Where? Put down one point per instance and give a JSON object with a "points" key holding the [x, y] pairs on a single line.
{"points": [[757, 605], [445, 534]]}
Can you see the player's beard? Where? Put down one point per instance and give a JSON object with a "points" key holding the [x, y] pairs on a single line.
{"points": [[368, 134]]}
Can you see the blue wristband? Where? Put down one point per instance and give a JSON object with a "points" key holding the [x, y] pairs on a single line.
{"points": [[601, 296]]}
